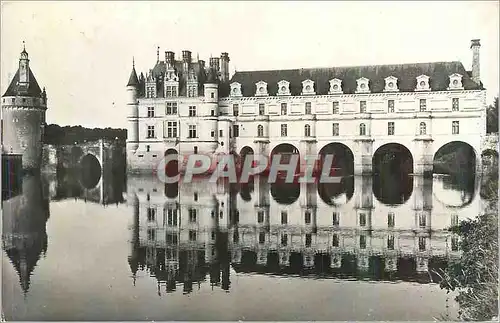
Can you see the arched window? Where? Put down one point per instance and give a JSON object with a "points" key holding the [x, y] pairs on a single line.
{"points": [[307, 130], [362, 129], [423, 128], [260, 131]]}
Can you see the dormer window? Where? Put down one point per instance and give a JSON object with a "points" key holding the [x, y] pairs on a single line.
{"points": [[363, 85], [335, 86], [455, 82], [391, 84], [235, 89], [422, 83], [261, 88], [308, 87], [283, 88]]}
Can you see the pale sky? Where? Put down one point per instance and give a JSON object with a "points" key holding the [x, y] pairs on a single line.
{"points": [[82, 51]]}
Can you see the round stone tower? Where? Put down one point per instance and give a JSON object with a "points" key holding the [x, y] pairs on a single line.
{"points": [[23, 116], [133, 105]]}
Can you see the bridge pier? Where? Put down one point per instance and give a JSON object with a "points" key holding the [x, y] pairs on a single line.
{"points": [[423, 159], [363, 156]]}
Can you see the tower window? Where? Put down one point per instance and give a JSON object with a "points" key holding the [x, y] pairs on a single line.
{"points": [[423, 105], [151, 112], [284, 130], [362, 106], [335, 131], [192, 131], [335, 107], [390, 128], [283, 109], [192, 111], [262, 109], [455, 128], [308, 107], [390, 106], [151, 131], [212, 95], [236, 110], [454, 104]]}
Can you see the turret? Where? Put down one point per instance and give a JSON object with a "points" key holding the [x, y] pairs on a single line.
{"points": [[211, 87], [133, 105], [24, 70]]}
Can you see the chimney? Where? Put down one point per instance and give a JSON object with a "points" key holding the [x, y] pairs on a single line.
{"points": [[476, 71], [186, 56], [214, 63], [157, 54], [224, 67], [169, 59]]}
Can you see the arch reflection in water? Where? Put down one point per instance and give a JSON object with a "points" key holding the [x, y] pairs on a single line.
{"points": [[337, 193], [392, 158], [90, 173], [207, 227], [24, 235], [393, 189]]}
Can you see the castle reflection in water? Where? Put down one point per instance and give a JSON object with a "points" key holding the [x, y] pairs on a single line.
{"points": [[363, 228]]}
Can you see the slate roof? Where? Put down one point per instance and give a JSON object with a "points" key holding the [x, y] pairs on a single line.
{"points": [[406, 74], [133, 79], [33, 87]]}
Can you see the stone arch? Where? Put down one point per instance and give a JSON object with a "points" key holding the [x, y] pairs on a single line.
{"points": [[335, 193], [343, 158], [172, 167], [245, 151], [455, 157], [90, 171], [285, 151], [392, 159], [285, 193]]}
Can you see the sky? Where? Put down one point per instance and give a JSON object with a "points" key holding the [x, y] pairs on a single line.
{"points": [[82, 51]]}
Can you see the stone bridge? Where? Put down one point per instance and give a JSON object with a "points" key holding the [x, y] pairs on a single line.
{"points": [[103, 155]]}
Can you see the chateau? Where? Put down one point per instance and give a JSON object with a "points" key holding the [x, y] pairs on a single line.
{"points": [[184, 107], [23, 116]]}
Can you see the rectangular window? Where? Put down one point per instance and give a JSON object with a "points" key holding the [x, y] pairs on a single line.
{"points": [[390, 220], [192, 235], [192, 91], [192, 131], [284, 217], [151, 234], [172, 217], [220, 133], [307, 217], [283, 109], [260, 217], [390, 242], [171, 108], [171, 91], [151, 131], [390, 106], [308, 107], [212, 113], [236, 130], [455, 128], [422, 220], [336, 109], [148, 147], [362, 106], [195, 149], [284, 239], [335, 129], [362, 219], [172, 239], [308, 240], [151, 214], [390, 128], [212, 95], [195, 197], [262, 109], [336, 218], [171, 129], [335, 240], [192, 215], [454, 244], [423, 105], [262, 237], [192, 111], [284, 131], [421, 243], [454, 104], [151, 112], [236, 110], [362, 242]]}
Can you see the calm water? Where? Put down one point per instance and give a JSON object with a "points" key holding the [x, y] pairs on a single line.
{"points": [[137, 249]]}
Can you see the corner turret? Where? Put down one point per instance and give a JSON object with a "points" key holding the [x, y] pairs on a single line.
{"points": [[133, 106]]}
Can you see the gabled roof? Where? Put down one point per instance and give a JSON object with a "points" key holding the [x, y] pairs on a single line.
{"points": [[33, 88], [406, 74]]}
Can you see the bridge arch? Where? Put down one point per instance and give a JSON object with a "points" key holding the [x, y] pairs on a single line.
{"points": [[285, 151], [392, 159], [343, 158], [455, 157], [91, 170], [285, 193], [337, 193]]}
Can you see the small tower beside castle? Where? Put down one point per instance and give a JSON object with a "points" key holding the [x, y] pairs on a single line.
{"points": [[24, 106]]}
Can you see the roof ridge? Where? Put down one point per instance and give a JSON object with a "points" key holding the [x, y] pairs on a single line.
{"points": [[350, 66]]}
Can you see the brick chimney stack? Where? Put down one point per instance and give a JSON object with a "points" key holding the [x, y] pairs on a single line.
{"points": [[475, 45]]}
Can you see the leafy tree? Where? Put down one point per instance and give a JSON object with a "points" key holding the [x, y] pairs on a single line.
{"points": [[67, 135], [492, 117]]}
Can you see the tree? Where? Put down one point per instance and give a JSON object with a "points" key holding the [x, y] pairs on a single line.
{"points": [[492, 117]]}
